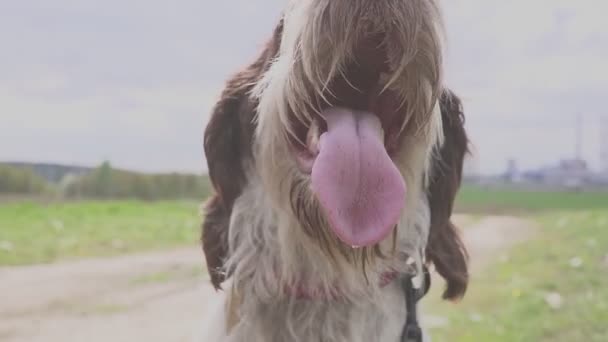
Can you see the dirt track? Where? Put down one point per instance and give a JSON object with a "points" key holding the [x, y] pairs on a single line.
{"points": [[156, 297]]}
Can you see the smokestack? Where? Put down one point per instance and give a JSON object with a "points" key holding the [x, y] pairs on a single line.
{"points": [[604, 143]]}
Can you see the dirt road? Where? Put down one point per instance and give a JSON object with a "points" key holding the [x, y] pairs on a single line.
{"points": [[156, 297]]}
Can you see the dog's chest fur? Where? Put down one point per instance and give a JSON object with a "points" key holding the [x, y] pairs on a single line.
{"points": [[381, 321]]}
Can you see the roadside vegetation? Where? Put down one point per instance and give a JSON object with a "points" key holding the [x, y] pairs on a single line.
{"points": [[39, 233], [551, 288]]}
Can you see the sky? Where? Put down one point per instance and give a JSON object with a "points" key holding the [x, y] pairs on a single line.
{"points": [[82, 81]]}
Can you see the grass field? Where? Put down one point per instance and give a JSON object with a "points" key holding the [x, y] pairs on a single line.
{"points": [[553, 288], [38, 233], [479, 200]]}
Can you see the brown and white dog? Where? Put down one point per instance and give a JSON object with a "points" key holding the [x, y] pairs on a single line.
{"points": [[335, 159]]}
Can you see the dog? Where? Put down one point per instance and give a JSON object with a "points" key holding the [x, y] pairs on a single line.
{"points": [[335, 159]]}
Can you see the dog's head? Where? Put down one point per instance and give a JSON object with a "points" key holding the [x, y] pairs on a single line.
{"points": [[345, 124]]}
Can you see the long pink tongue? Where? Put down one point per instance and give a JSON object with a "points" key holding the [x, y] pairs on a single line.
{"points": [[357, 184]]}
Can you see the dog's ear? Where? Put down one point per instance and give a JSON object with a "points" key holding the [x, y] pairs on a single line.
{"points": [[225, 149], [445, 248], [227, 143]]}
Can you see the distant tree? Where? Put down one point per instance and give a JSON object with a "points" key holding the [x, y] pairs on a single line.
{"points": [[106, 182], [103, 180], [17, 180]]}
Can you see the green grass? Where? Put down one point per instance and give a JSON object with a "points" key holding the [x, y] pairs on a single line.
{"points": [[508, 302], [481, 200], [40, 233]]}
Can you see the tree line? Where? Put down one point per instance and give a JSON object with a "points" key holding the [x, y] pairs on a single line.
{"points": [[15, 180], [105, 182]]}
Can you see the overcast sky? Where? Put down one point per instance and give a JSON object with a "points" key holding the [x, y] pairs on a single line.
{"points": [[132, 81]]}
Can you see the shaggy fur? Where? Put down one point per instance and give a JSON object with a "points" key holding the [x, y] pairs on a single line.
{"points": [[264, 229]]}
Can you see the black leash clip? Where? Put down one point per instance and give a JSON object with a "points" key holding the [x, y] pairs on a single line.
{"points": [[412, 331]]}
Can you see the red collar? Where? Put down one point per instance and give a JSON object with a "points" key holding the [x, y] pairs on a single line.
{"points": [[301, 292]]}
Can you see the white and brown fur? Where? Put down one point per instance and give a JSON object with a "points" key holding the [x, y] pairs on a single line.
{"points": [[263, 228]]}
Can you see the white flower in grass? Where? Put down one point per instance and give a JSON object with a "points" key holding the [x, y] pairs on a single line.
{"points": [[554, 300], [57, 225], [435, 322], [6, 246], [576, 262], [475, 317], [563, 222]]}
